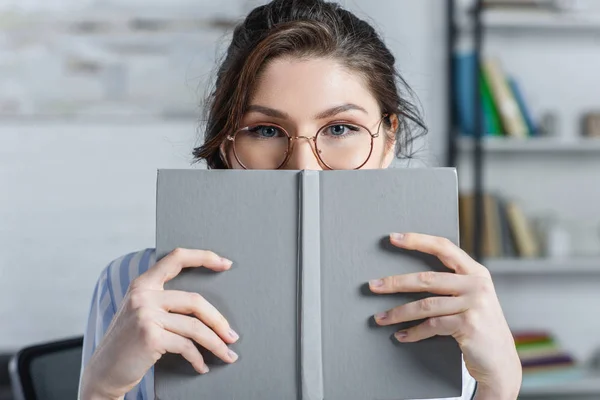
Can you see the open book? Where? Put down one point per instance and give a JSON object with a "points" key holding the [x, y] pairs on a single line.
{"points": [[304, 245]]}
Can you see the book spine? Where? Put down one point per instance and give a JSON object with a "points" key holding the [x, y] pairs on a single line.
{"points": [[526, 243], [520, 98], [491, 239], [490, 109], [465, 208], [508, 244], [464, 67], [310, 371]]}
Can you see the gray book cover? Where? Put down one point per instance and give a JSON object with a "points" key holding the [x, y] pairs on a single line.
{"points": [[304, 246]]}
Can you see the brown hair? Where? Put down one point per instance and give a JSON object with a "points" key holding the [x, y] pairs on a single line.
{"points": [[304, 28]]}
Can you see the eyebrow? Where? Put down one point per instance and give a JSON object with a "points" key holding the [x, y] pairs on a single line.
{"points": [[271, 112]]}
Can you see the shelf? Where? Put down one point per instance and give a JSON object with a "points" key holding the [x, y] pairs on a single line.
{"points": [[533, 145], [519, 21], [587, 385], [544, 266]]}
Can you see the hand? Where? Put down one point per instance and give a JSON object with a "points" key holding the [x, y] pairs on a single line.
{"points": [[152, 321], [469, 311]]}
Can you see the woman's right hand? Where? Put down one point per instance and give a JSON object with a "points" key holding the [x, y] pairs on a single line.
{"points": [[152, 321]]}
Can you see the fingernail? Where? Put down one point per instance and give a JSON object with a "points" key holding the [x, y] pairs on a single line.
{"points": [[232, 355], [397, 236], [401, 335], [381, 316], [204, 369], [233, 334], [376, 282], [227, 262]]}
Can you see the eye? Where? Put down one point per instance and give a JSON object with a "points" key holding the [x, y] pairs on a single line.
{"points": [[340, 130], [266, 131], [337, 130]]}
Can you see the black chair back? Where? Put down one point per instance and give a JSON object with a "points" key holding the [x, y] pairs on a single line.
{"points": [[47, 371]]}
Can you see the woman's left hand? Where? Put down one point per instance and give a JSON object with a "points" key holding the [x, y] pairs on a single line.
{"points": [[468, 310]]}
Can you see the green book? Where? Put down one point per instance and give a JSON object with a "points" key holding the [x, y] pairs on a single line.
{"points": [[490, 111], [536, 345]]}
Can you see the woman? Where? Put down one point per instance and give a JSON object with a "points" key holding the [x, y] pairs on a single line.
{"points": [[305, 85]]}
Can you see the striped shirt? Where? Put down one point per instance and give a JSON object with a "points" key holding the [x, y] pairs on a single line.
{"points": [[107, 297]]}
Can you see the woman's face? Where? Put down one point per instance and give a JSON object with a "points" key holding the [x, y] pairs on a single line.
{"points": [[303, 96]]}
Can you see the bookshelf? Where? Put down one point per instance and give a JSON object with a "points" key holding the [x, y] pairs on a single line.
{"points": [[548, 54], [518, 21], [479, 98], [585, 386], [534, 145], [543, 266]]}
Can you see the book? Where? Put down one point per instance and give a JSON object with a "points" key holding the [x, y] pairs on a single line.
{"points": [[491, 235], [520, 99], [508, 108], [492, 245], [526, 241], [304, 245], [506, 231], [539, 352], [466, 207], [492, 119], [507, 239], [465, 68], [590, 122]]}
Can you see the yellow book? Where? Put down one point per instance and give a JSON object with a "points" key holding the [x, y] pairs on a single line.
{"points": [[492, 247], [466, 205], [525, 239]]}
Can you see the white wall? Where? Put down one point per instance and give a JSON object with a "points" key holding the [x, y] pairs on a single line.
{"points": [[415, 32], [76, 195]]}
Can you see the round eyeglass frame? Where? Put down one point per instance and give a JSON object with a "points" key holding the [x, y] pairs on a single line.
{"points": [[313, 139]]}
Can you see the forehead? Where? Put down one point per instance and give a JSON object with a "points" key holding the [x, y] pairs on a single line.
{"points": [[305, 87]]}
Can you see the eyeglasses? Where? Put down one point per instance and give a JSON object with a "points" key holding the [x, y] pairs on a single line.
{"points": [[337, 145]]}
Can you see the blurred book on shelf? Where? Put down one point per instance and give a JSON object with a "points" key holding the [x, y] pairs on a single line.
{"points": [[543, 360], [591, 124], [539, 351], [505, 110], [507, 232]]}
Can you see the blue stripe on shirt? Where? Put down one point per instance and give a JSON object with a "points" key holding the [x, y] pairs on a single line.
{"points": [[124, 273], [104, 287], [109, 285], [93, 311], [107, 318]]}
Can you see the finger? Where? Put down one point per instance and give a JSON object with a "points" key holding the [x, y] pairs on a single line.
{"points": [[447, 283], [176, 344], [448, 325], [172, 264], [194, 304], [424, 308], [448, 253], [194, 329]]}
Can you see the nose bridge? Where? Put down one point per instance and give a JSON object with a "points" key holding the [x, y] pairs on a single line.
{"points": [[303, 154]]}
